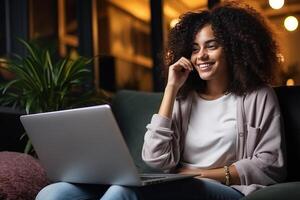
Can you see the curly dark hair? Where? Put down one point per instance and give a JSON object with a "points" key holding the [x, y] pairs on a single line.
{"points": [[249, 45]]}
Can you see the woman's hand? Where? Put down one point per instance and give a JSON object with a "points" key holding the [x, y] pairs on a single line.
{"points": [[188, 171], [217, 174], [178, 72]]}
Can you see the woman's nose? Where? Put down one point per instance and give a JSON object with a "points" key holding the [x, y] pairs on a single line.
{"points": [[202, 55]]}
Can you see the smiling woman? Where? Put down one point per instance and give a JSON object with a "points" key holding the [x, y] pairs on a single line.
{"points": [[218, 120]]}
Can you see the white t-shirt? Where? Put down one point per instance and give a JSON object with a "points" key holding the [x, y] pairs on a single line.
{"points": [[211, 137]]}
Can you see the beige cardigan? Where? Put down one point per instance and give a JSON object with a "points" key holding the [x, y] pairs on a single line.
{"points": [[260, 152]]}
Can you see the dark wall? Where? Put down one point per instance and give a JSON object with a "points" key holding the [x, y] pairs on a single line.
{"points": [[2, 28]]}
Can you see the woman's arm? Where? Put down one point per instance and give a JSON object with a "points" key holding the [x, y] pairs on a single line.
{"points": [[166, 107], [161, 148], [178, 73], [217, 174]]}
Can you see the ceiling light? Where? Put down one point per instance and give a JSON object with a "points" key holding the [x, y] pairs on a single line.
{"points": [[290, 82], [276, 4], [291, 23]]}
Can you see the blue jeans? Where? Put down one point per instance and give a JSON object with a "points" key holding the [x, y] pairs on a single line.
{"points": [[188, 189]]}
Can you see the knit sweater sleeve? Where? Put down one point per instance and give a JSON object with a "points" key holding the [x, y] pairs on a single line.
{"points": [[161, 142]]}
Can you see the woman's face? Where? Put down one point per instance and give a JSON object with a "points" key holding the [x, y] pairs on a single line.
{"points": [[208, 56]]}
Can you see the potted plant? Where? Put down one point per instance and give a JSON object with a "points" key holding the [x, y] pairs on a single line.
{"points": [[40, 85]]}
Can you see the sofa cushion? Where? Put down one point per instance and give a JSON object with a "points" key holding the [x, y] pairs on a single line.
{"points": [[21, 176], [133, 111], [281, 191]]}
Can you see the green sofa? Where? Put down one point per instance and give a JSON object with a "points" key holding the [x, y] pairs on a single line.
{"points": [[133, 111]]}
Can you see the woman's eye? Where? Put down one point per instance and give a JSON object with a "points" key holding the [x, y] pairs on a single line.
{"points": [[195, 49], [212, 46]]}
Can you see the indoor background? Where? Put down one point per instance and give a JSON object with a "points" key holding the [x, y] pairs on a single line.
{"points": [[126, 37]]}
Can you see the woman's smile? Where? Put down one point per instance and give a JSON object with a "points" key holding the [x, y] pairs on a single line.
{"points": [[206, 66]]}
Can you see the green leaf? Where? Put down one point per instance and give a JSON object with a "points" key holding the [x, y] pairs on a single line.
{"points": [[29, 48], [28, 147], [28, 105], [9, 84]]}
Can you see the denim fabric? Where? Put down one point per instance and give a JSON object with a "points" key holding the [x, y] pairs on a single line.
{"points": [[189, 189]]}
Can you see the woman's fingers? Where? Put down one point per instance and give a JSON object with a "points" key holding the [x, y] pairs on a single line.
{"points": [[182, 64], [188, 63], [179, 71]]}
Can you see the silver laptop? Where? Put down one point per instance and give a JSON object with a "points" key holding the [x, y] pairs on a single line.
{"points": [[85, 145]]}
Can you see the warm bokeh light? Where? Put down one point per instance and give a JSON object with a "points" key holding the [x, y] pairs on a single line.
{"points": [[290, 82], [276, 4], [291, 23], [173, 22], [280, 57]]}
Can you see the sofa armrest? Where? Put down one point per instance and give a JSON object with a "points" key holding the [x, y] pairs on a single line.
{"points": [[290, 190]]}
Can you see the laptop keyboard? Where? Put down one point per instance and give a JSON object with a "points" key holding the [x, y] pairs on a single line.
{"points": [[146, 178]]}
